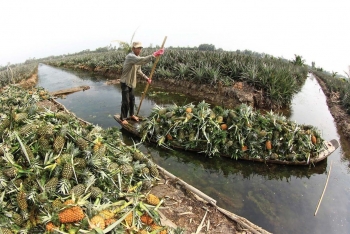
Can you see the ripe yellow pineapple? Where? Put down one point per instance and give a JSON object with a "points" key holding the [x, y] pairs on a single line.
{"points": [[129, 219], [152, 199], [106, 214], [97, 221], [71, 215]]}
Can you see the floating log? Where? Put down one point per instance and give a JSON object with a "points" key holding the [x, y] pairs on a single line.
{"points": [[70, 90]]}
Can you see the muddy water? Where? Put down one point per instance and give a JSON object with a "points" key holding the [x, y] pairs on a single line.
{"points": [[281, 199]]}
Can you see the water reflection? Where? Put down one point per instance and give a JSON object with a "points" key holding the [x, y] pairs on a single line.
{"points": [[281, 199]]}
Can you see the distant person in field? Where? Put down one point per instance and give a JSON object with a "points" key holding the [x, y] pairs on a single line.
{"points": [[132, 67]]}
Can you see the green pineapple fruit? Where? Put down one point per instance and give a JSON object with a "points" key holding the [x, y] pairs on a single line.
{"points": [[51, 185], [22, 200], [79, 163], [5, 230], [44, 143], [27, 129], [10, 172], [145, 171], [78, 190], [153, 169], [17, 219], [57, 204], [67, 171], [60, 139], [5, 123], [138, 156], [45, 130], [58, 143], [126, 169], [95, 192], [82, 144]]}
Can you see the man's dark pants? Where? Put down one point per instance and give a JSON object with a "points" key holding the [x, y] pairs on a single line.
{"points": [[128, 101]]}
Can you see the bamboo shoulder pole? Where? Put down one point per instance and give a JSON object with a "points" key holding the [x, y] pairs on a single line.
{"points": [[150, 77], [319, 202]]}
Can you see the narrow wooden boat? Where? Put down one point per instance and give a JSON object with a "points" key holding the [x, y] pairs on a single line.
{"points": [[330, 146]]}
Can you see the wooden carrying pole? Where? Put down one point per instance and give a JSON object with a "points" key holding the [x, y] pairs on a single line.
{"points": [[150, 77]]}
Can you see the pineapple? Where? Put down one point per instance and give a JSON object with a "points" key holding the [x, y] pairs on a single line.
{"points": [[46, 130], [5, 124], [60, 140], [17, 219], [27, 129], [22, 200], [106, 214], [145, 171], [51, 185], [126, 169], [71, 215], [10, 172], [79, 163], [95, 192], [67, 171], [153, 169], [110, 221], [82, 144], [138, 156], [129, 219], [152, 199], [5, 230], [50, 227], [146, 219], [78, 190], [100, 151], [44, 143], [97, 222], [57, 204], [156, 227]]}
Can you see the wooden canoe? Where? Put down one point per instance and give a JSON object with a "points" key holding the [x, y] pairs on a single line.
{"points": [[331, 146]]}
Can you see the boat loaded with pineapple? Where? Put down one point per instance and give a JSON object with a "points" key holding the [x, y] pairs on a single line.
{"points": [[240, 133]]}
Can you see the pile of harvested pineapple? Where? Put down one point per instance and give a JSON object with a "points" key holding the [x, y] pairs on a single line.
{"points": [[61, 175], [238, 133]]}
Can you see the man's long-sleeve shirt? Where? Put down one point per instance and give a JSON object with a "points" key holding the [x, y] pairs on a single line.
{"points": [[132, 67]]}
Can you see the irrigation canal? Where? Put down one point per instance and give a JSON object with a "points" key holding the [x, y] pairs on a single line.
{"points": [[280, 199]]}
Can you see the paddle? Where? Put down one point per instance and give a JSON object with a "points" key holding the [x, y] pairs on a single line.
{"points": [[150, 77]]}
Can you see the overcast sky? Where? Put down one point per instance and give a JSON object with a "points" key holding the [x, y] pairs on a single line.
{"points": [[318, 30]]}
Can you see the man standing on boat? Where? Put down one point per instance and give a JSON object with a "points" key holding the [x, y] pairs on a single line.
{"points": [[132, 67]]}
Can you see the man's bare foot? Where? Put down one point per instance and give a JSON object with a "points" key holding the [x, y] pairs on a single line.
{"points": [[134, 117], [125, 122]]}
